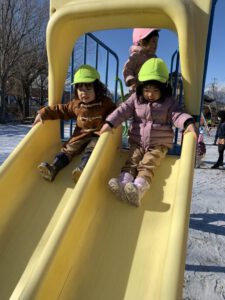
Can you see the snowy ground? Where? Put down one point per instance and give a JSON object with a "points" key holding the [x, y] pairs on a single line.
{"points": [[205, 261], [10, 135]]}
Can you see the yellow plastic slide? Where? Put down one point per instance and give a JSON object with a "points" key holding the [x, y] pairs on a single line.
{"points": [[65, 241]]}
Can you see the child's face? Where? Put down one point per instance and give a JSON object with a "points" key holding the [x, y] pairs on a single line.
{"points": [[86, 92], [152, 44], [151, 93]]}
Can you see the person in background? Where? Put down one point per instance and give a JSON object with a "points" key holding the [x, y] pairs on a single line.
{"points": [[220, 139], [145, 42], [151, 134], [201, 148], [89, 108], [219, 117]]}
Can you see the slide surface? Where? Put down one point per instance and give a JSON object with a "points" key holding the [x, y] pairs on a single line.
{"points": [[79, 242]]}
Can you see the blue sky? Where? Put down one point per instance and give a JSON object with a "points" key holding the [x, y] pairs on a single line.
{"points": [[216, 63], [121, 40]]}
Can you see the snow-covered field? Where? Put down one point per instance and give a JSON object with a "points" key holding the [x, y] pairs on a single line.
{"points": [[205, 261], [10, 136]]}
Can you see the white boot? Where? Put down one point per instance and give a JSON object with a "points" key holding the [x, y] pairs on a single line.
{"points": [[136, 190], [116, 185]]}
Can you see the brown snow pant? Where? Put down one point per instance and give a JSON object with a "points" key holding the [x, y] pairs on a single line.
{"points": [[143, 164], [87, 143]]}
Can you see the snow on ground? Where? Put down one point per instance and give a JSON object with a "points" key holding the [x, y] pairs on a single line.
{"points": [[10, 136], [205, 260]]}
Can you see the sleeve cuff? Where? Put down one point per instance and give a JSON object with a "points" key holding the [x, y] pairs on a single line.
{"points": [[188, 122], [109, 123]]}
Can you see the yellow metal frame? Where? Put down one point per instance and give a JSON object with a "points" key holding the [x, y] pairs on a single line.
{"points": [[64, 241]]}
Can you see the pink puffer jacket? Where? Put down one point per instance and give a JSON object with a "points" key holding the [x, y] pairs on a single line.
{"points": [[137, 57], [152, 121]]}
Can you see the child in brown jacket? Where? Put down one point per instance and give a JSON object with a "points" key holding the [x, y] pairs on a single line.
{"points": [[90, 108]]}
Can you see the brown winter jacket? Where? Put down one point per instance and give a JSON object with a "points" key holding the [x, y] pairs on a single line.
{"points": [[138, 56], [89, 116]]}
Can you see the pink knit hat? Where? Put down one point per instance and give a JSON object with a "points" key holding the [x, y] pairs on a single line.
{"points": [[141, 33]]}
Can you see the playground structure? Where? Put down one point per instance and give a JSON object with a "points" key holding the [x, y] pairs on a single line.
{"points": [[66, 241]]}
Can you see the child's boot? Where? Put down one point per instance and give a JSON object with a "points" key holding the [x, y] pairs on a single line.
{"points": [[136, 190], [78, 170], [76, 173], [216, 166], [116, 185], [49, 171]]}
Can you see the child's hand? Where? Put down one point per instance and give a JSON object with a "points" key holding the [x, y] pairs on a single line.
{"points": [[105, 128], [191, 128], [38, 119]]}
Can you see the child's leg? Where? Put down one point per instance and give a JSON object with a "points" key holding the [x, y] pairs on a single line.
{"points": [[116, 185], [136, 190], [87, 153], [69, 149], [128, 173], [135, 155], [198, 161], [151, 160], [146, 169], [220, 158], [223, 149], [49, 171]]}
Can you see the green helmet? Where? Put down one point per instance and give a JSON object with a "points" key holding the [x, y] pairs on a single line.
{"points": [[85, 74], [154, 69]]}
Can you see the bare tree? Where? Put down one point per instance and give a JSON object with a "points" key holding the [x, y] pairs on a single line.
{"points": [[33, 62], [216, 92], [77, 58], [19, 24], [40, 85]]}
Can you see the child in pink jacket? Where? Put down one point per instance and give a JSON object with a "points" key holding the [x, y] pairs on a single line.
{"points": [[153, 115], [145, 42]]}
